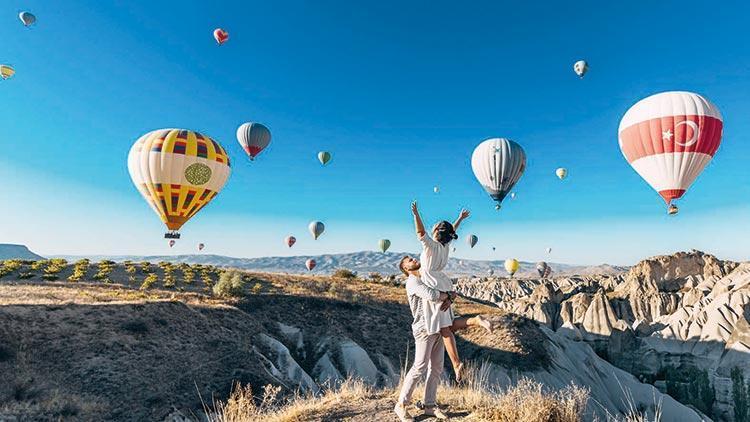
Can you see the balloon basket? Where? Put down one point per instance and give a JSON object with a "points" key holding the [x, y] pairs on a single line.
{"points": [[171, 235]]}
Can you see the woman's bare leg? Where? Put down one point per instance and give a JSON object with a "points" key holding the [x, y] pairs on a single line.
{"points": [[477, 321], [450, 346]]}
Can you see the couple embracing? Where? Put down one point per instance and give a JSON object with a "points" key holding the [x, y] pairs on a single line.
{"points": [[430, 293]]}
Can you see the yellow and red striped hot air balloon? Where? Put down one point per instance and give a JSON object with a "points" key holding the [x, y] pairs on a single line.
{"points": [[178, 172]]}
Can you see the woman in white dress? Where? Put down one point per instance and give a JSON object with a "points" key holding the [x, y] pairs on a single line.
{"points": [[433, 259]]}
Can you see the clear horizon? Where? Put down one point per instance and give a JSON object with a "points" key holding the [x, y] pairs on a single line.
{"points": [[400, 94]]}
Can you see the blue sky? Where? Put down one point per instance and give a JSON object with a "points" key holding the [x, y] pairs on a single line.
{"points": [[399, 93]]}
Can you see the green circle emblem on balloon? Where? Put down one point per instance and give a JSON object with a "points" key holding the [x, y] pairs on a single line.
{"points": [[198, 174]]}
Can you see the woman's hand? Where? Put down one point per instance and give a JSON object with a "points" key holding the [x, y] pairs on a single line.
{"points": [[464, 214], [414, 209]]}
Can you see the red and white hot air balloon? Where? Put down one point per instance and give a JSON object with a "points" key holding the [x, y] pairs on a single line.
{"points": [[290, 241], [171, 242], [221, 36], [310, 264], [669, 138]]}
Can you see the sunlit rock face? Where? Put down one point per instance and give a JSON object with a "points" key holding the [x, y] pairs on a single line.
{"points": [[687, 310]]}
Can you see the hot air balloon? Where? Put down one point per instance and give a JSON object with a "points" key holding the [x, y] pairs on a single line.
{"points": [[498, 164], [324, 157], [669, 138], [580, 68], [672, 210], [6, 71], [454, 249], [511, 266], [493, 248], [310, 264], [512, 195], [549, 250], [316, 229], [221, 36], [384, 244], [290, 241], [27, 18], [436, 189], [561, 173], [201, 246], [543, 269], [178, 172], [171, 242], [472, 240], [254, 138], [490, 272]]}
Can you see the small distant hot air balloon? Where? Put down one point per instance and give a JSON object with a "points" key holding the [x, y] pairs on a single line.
{"points": [[543, 269], [490, 271], [384, 244], [310, 264], [580, 68], [6, 71], [472, 240], [436, 189], [178, 172], [201, 246], [549, 250], [561, 173], [221, 36], [672, 210], [254, 138], [512, 195], [454, 249], [316, 229], [324, 157], [171, 242], [511, 266], [493, 248], [290, 241], [669, 138], [27, 18], [498, 164]]}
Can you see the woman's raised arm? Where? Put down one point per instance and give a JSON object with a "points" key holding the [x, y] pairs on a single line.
{"points": [[417, 220], [461, 217]]}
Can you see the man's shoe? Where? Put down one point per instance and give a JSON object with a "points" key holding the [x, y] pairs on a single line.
{"points": [[402, 413], [435, 412]]}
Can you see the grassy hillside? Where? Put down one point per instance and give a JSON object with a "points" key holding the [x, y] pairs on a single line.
{"points": [[141, 341]]}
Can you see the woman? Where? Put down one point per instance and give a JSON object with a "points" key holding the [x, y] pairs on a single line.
{"points": [[433, 259]]}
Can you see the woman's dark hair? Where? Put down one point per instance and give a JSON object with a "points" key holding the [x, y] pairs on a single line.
{"points": [[444, 232]]}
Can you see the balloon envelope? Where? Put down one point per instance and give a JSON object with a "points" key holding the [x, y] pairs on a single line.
{"points": [[436, 189], [201, 246], [254, 138], [472, 240], [171, 242], [178, 172], [498, 164], [580, 68], [549, 250], [543, 269], [290, 241], [221, 36], [324, 157], [310, 264], [316, 229], [7, 71], [669, 138], [561, 173], [27, 18], [511, 266], [384, 244]]}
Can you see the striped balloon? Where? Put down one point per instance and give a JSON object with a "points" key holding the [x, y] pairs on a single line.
{"points": [[498, 164], [254, 138], [669, 138], [178, 172], [6, 71], [384, 244], [472, 240], [310, 264]]}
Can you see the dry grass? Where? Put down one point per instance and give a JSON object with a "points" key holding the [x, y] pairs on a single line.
{"points": [[353, 400]]}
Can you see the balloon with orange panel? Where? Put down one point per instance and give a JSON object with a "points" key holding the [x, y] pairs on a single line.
{"points": [[178, 172], [669, 138]]}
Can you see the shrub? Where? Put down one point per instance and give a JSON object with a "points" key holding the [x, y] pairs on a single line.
{"points": [[344, 273], [50, 277], [740, 395], [53, 268], [376, 277], [135, 327], [146, 267], [25, 275], [257, 288], [230, 284], [79, 270], [149, 281], [691, 386]]}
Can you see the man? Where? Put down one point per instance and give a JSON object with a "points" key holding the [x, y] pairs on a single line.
{"points": [[428, 347]]}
